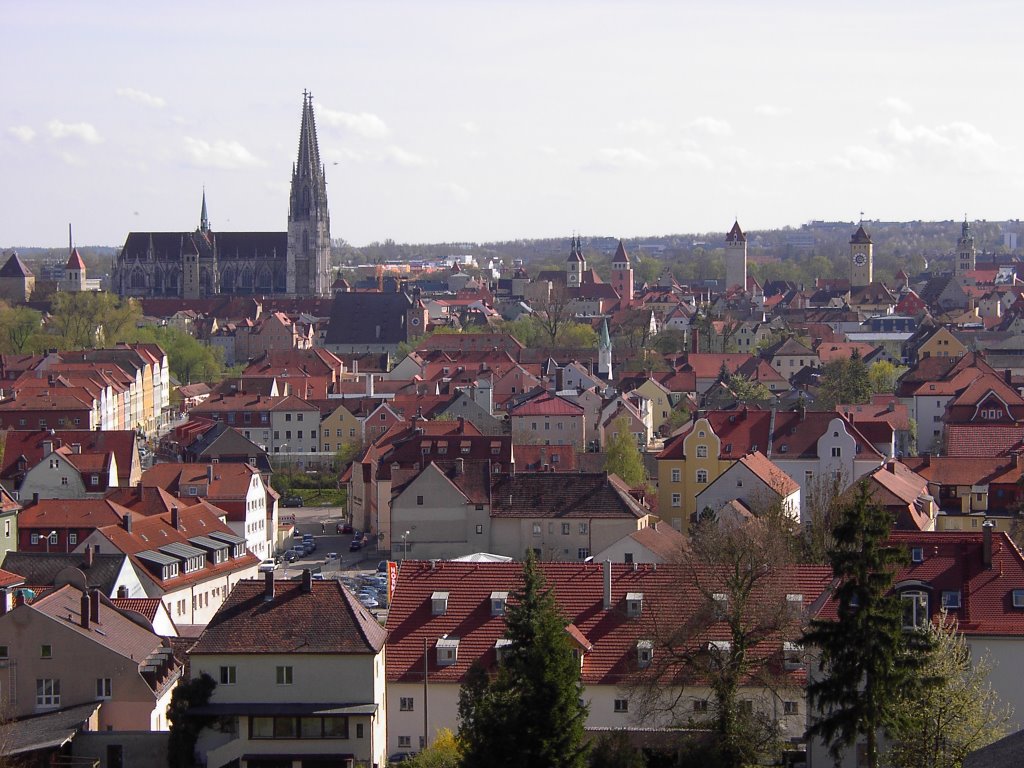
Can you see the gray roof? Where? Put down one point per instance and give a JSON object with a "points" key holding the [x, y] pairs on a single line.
{"points": [[1005, 753], [15, 267], [369, 318], [42, 568], [46, 731]]}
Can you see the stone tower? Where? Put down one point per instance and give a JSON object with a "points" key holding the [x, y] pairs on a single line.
{"points": [[309, 220], [622, 276], [575, 265], [73, 280], [604, 353], [735, 258], [861, 258], [966, 254]]}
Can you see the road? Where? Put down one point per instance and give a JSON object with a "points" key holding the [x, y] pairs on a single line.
{"points": [[322, 522]]}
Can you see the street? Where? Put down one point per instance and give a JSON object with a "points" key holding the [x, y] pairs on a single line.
{"points": [[321, 522]]}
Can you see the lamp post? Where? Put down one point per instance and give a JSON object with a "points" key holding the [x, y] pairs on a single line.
{"points": [[405, 545], [48, 536]]}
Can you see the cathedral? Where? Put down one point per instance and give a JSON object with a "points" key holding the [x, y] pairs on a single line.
{"points": [[202, 263]]}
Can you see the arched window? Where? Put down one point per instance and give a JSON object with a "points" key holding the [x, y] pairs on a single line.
{"points": [[915, 608]]}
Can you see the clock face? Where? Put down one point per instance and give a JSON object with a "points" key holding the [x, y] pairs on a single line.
{"points": [[860, 259]]}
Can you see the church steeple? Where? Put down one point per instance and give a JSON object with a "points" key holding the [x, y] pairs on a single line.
{"points": [[604, 352], [204, 218], [309, 219]]}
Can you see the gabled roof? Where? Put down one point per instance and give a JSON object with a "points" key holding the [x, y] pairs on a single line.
{"points": [[552, 495], [75, 260], [735, 235], [860, 237], [369, 318], [620, 257], [15, 267], [327, 619], [768, 472], [547, 404], [42, 567], [661, 539]]}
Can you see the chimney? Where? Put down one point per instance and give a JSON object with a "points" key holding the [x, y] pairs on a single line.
{"points": [[122, 591], [209, 474], [94, 609], [986, 543], [268, 586], [90, 556], [460, 466], [369, 385], [607, 585], [128, 521], [47, 448], [35, 498], [1008, 376], [307, 580], [19, 597], [86, 610], [76, 447], [175, 518]]}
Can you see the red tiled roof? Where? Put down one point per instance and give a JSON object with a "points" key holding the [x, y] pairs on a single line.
{"points": [[75, 260], [325, 620], [661, 539], [8, 579], [983, 440], [946, 470], [146, 606], [533, 458], [71, 513], [547, 404], [668, 593], [768, 472]]}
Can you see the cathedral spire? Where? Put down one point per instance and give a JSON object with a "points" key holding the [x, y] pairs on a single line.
{"points": [[308, 165], [309, 224], [204, 219]]}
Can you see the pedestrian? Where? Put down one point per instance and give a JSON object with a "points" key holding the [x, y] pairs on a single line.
{"points": [[323, 527]]}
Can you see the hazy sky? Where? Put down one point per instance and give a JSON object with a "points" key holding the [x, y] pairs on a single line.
{"points": [[456, 121]]}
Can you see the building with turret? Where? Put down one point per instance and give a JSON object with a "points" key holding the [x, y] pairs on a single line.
{"points": [[622, 276], [862, 258], [966, 253], [16, 280], [205, 263], [736, 258]]}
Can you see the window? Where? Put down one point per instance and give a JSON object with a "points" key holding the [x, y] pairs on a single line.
{"points": [[287, 417], [917, 554], [791, 708], [72, 539], [677, 499], [227, 675], [34, 538], [284, 675], [3, 651], [915, 609], [405, 704], [582, 553], [746, 706], [700, 706], [1018, 598], [419, 501], [53, 537], [702, 451], [359, 733], [702, 477], [536, 529], [622, 705], [951, 600], [583, 527], [404, 742], [676, 475], [47, 692], [103, 688], [565, 529], [46, 651], [479, 528], [837, 452]]}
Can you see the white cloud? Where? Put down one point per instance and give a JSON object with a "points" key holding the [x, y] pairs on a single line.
{"points": [[771, 110], [896, 104], [405, 157], [547, 150], [712, 126], [691, 158], [141, 97], [621, 158], [457, 192], [640, 126], [225, 154], [859, 158], [958, 143], [23, 133], [82, 131], [471, 126], [364, 124]]}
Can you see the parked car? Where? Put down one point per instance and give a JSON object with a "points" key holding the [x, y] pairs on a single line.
{"points": [[267, 566], [291, 555], [332, 555], [368, 602], [291, 501], [382, 566], [356, 545], [343, 528]]}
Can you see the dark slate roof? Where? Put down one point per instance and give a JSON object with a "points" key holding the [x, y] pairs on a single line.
{"points": [[547, 494], [168, 246], [735, 235], [1004, 753], [356, 318], [860, 237], [46, 731], [43, 567], [327, 619], [15, 267]]}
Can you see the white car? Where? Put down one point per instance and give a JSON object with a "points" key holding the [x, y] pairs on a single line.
{"points": [[267, 566], [368, 602]]}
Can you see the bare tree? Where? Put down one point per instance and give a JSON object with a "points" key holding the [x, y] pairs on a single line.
{"points": [[554, 313], [822, 502]]}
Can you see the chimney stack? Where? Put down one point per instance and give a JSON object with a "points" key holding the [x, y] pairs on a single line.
{"points": [[94, 609], [268, 586], [175, 518], [607, 585], [460, 466], [307, 580], [122, 591], [128, 521], [986, 543], [90, 556], [209, 474], [86, 610], [47, 448]]}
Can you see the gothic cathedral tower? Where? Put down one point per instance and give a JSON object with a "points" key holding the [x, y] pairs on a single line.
{"points": [[622, 276], [736, 258], [861, 258], [575, 265], [966, 255], [309, 220]]}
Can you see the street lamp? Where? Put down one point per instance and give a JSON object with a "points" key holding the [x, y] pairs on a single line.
{"points": [[405, 545], [48, 536]]}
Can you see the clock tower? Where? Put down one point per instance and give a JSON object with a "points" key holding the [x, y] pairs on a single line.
{"points": [[861, 258], [967, 255]]}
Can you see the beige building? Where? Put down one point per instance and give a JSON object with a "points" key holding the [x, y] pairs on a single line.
{"points": [[300, 668], [72, 647]]}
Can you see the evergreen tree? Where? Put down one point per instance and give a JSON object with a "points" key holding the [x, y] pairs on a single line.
{"points": [[845, 381], [184, 728], [867, 659], [623, 457], [530, 715]]}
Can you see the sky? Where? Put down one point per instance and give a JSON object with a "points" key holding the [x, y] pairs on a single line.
{"points": [[446, 121]]}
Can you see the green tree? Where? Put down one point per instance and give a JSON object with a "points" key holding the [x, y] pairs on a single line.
{"points": [[941, 724], [623, 457], [866, 658], [614, 750], [883, 376], [91, 318], [670, 342], [444, 752], [184, 728], [18, 328], [532, 713], [749, 391], [188, 358], [577, 336], [845, 381]]}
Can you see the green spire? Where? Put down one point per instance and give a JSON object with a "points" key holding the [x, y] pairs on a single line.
{"points": [[606, 341]]}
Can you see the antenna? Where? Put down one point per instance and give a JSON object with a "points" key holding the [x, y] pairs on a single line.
{"points": [[71, 245]]}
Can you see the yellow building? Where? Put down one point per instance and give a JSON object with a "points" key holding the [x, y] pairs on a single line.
{"points": [[942, 343], [687, 465], [342, 425]]}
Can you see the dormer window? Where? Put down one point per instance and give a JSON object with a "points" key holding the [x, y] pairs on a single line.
{"points": [[720, 601], [794, 603], [447, 651], [439, 603], [634, 604], [915, 609], [644, 653], [719, 646], [1018, 598], [917, 554], [951, 600], [502, 646], [792, 656], [498, 600]]}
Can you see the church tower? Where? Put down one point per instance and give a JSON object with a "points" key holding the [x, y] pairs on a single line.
{"points": [[575, 265], [73, 280], [861, 258], [622, 276], [309, 220], [966, 255], [604, 353], [736, 258], [204, 218]]}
